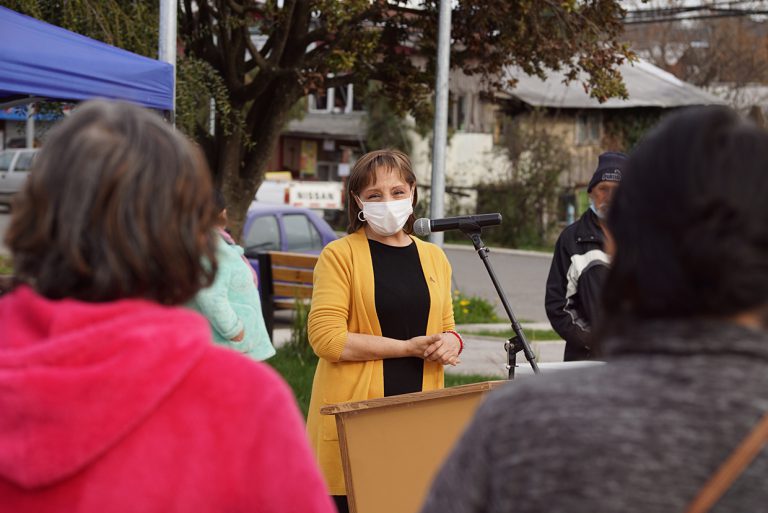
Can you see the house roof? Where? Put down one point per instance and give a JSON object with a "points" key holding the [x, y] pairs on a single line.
{"points": [[648, 86]]}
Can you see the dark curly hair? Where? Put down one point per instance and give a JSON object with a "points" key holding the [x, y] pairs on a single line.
{"points": [[691, 222], [117, 205]]}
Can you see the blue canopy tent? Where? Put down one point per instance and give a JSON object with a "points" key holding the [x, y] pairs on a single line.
{"points": [[42, 61]]}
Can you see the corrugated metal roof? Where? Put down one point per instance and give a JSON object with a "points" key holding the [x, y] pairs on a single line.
{"points": [[648, 86]]}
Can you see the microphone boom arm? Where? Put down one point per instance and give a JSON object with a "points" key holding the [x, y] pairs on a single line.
{"points": [[518, 342]]}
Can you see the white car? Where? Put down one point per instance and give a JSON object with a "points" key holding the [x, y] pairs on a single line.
{"points": [[14, 169]]}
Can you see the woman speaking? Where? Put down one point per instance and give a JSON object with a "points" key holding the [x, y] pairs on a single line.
{"points": [[382, 315]]}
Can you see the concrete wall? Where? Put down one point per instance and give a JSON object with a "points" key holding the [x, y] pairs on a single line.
{"points": [[471, 158]]}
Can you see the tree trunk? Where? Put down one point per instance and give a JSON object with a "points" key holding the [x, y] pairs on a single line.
{"points": [[242, 171], [232, 186]]}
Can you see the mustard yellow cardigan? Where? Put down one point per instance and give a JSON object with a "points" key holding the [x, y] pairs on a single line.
{"points": [[343, 301]]}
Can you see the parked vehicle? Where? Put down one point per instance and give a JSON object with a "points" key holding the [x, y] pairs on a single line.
{"points": [[327, 197], [14, 169], [274, 227], [302, 193]]}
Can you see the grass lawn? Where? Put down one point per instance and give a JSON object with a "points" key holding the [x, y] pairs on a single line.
{"points": [[454, 380], [299, 372], [530, 335]]}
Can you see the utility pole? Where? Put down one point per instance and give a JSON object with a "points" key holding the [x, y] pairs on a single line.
{"points": [[167, 42], [440, 130], [30, 128]]}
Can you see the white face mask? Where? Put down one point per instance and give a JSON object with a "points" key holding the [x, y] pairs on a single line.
{"points": [[387, 217], [599, 212]]}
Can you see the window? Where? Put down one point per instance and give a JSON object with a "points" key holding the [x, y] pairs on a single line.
{"points": [[587, 128], [24, 162], [6, 158], [340, 99], [357, 100], [461, 112], [300, 234], [327, 171], [337, 100], [320, 100], [263, 235]]}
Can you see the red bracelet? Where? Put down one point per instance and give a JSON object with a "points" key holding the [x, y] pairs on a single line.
{"points": [[461, 341]]}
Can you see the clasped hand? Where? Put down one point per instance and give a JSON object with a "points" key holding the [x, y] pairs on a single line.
{"points": [[443, 348]]}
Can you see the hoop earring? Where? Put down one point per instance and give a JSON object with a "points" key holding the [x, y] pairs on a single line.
{"points": [[361, 216]]}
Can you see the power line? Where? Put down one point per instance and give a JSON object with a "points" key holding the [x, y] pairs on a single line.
{"points": [[698, 17], [700, 7], [682, 13]]}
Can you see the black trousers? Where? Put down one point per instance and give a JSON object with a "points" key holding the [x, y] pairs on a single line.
{"points": [[341, 503], [574, 353]]}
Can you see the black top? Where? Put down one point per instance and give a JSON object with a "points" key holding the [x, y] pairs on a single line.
{"points": [[402, 306]]}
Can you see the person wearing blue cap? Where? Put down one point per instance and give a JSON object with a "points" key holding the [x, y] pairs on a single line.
{"points": [[580, 263]]}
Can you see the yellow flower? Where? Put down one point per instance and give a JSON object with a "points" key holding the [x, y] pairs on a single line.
{"points": [[464, 302], [466, 311]]}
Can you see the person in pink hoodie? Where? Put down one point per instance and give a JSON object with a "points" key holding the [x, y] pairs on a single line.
{"points": [[112, 397]]}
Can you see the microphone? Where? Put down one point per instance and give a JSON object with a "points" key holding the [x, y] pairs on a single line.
{"points": [[423, 227]]}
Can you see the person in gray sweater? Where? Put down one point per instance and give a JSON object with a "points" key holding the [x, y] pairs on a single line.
{"points": [[686, 341]]}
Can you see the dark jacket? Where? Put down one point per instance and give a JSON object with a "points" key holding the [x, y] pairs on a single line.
{"points": [[576, 278], [642, 433]]}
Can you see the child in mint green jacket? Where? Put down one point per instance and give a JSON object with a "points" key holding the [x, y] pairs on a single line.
{"points": [[232, 304]]}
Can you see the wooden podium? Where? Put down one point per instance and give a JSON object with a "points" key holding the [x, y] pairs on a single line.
{"points": [[391, 448]]}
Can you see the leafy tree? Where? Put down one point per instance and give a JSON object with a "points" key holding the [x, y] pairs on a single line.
{"points": [[258, 59], [527, 197], [624, 128], [384, 127], [707, 52]]}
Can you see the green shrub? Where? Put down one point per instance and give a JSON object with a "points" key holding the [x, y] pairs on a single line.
{"points": [[472, 309], [296, 361], [530, 335], [454, 380], [297, 373], [298, 345], [6, 265]]}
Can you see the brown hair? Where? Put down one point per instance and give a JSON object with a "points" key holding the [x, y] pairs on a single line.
{"points": [[117, 205], [364, 174]]}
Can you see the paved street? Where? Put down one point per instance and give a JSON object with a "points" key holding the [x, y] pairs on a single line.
{"points": [[522, 275]]}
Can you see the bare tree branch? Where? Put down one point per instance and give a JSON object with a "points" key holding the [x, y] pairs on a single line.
{"points": [[283, 32], [256, 58]]}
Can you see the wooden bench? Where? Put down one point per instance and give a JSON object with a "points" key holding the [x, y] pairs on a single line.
{"points": [[284, 279]]}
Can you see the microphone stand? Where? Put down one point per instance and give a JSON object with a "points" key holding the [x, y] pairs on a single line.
{"points": [[518, 342]]}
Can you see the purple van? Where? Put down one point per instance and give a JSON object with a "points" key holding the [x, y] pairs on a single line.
{"points": [[274, 227]]}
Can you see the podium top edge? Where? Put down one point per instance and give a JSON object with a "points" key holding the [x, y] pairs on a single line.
{"points": [[472, 388]]}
